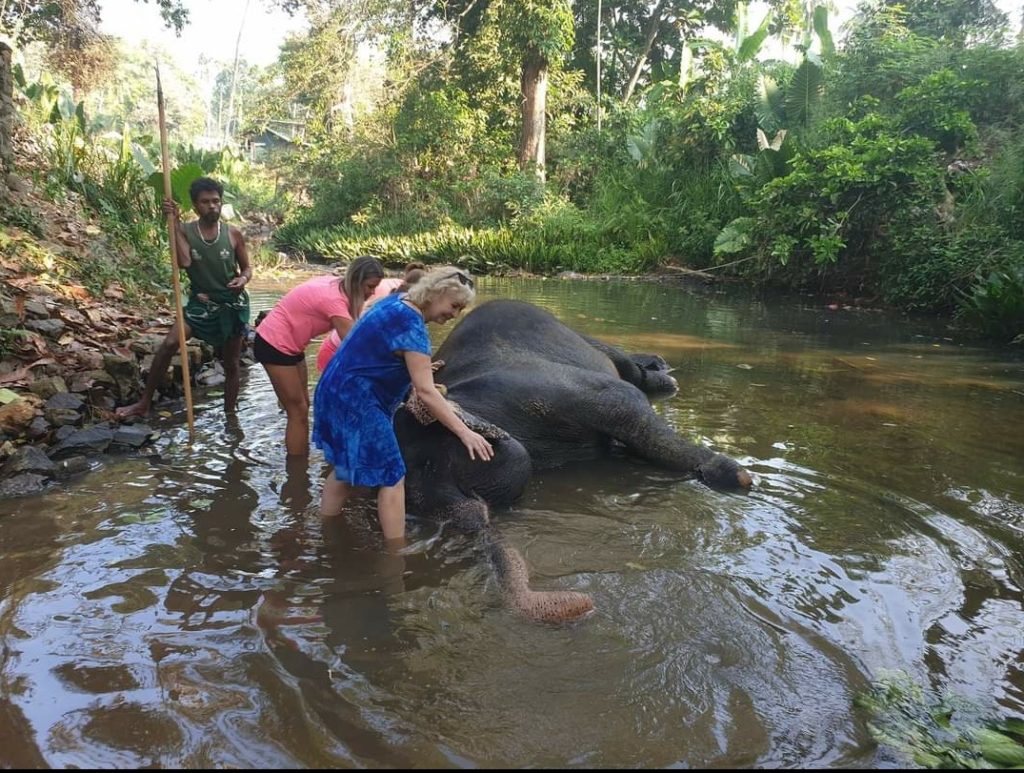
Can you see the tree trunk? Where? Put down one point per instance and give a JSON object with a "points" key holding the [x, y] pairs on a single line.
{"points": [[649, 35], [534, 84], [6, 118], [228, 132]]}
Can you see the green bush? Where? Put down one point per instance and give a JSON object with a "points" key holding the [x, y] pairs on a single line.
{"points": [[829, 218], [995, 304]]}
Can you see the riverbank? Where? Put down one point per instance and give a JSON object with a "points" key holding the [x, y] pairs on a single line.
{"points": [[73, 349]]}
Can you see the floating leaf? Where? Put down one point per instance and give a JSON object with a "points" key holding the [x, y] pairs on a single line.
{"points": [[155, 515]]}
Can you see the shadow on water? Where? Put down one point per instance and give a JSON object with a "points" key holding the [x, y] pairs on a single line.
{"points": [[189, 609]]}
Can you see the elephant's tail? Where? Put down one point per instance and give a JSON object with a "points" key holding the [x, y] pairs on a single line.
{"points": [[539, 606]]}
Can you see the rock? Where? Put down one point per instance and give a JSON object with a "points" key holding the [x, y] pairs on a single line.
{"points": [[71, 466], [83, 381], [38, 429], [22, 485], [120, 367], [18, 184], [64, 432], [133, 435], [16, 415], [93, 439], [90, 360], [124, 371], [146, 343], [65, 401], [37, 309], [211, 375], [62, 417], [99, 398], [48, 327], [28, 459], [48, 387]]}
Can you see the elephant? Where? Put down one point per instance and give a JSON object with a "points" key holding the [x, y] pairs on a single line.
{"points": [[545, 396]]}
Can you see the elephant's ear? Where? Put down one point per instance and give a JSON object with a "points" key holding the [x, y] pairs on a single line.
{"points": [[419, 411]]}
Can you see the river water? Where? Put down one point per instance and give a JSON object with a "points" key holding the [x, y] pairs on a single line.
{"points": [[186, 607]]}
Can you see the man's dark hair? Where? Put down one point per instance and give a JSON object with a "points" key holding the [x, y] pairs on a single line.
{"points": [[202, 184]]}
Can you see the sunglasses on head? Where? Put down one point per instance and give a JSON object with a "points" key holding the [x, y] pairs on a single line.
{"points": [[463, 279]]}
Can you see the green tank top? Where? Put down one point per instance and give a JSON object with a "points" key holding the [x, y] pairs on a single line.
{"points": [[213, 263]]}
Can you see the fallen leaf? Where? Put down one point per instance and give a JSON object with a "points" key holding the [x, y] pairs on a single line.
{"points": [[21, 373]]}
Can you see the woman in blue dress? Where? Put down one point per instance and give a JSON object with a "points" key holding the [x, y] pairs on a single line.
{"points": [[387, 350]]}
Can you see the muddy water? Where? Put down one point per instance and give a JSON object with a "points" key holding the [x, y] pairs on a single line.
{"points": [[187, 608]]}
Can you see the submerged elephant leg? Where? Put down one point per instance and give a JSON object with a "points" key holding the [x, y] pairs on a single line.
{"points": [[471, 515], [539, 606]]}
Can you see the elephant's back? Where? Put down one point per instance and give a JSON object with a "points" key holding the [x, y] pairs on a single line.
{"points": [[514, 334]]}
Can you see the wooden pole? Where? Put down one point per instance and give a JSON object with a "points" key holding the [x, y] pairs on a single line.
{"points": [[171, 231], [598, 78]]}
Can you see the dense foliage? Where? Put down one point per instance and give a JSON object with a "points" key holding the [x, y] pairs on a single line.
{"points": [[881, 162]]}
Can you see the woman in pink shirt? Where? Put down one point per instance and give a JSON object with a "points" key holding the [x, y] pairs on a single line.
{"points": [[305, 312], [412, 273]]}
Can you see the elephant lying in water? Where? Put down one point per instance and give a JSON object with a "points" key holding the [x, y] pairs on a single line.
{"points": [[544, 396]]}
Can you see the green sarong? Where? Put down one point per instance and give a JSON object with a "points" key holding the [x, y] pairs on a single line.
{"points": [[222, 317]]}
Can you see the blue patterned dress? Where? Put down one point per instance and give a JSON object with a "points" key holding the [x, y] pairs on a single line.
{"points": [[360, 391]]}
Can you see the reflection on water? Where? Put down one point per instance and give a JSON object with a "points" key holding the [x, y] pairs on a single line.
{"points": [[187, 608]]}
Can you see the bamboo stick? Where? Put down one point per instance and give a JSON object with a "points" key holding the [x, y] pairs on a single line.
{"points": [[178, 311]]}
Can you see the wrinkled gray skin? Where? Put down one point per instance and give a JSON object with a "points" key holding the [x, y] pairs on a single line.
{"points": [[560, 397], [544, 396]]}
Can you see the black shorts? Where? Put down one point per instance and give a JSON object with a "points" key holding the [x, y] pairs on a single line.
{"points": [[265, 354]]}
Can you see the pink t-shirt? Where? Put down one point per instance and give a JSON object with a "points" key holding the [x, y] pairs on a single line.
{"points": [[333, 340], [304, 313]]}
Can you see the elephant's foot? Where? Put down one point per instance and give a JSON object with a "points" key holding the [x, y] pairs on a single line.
{"points": [[724, 473], [552, 606], [539, 606]]}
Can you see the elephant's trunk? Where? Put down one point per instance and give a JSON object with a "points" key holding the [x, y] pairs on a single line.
{"points": [[539, 606]]}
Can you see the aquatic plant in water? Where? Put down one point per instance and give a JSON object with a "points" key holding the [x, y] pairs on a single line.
{"points": [[939, 731]]}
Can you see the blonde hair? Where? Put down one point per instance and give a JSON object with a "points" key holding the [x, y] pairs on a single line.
{"points": [[358, 272], [443, 280]]}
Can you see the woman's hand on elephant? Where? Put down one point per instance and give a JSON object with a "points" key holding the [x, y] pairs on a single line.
{"points": [[477, 445]]}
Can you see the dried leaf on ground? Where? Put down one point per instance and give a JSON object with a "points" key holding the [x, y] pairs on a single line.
{"points": [[21, 375]]}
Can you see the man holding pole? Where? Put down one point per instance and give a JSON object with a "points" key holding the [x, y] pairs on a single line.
{"points": [[214, 256]]}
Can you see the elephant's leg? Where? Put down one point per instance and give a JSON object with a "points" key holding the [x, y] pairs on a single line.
{"points": [[622, 411], [647, 372], [471, 515]]}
